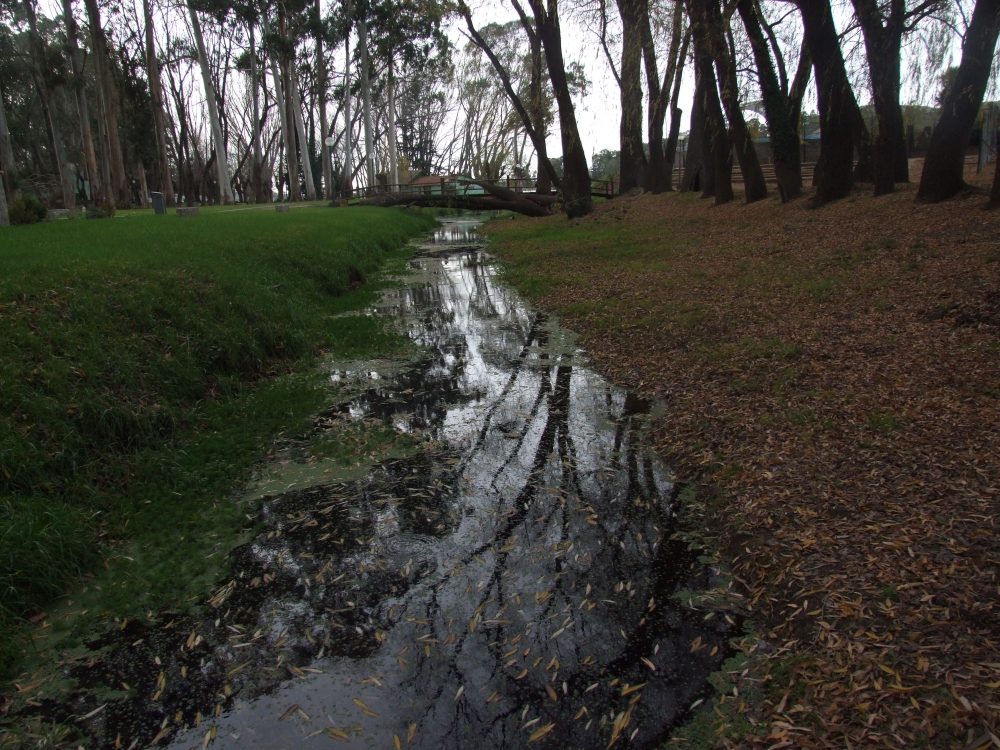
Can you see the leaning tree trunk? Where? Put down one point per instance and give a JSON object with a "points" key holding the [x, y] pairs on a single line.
{"points": [[717, 146], [658, 178], [156, 94], [670, 152], [366, 102], [784, 139], [533, 121], [834, 169], [543, 183], [945, 162], [577, 200], [83, 110], [694, 164], [632, 160], [6, 154], [287, 139], [226, 196], [307, 173], [102, 64], [708, 22]]}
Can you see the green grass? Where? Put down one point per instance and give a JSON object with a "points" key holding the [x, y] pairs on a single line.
{"points": [[138, 358]]}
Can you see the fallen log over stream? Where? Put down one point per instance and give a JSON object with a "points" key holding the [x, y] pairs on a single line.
{"points": [[497, 199]]}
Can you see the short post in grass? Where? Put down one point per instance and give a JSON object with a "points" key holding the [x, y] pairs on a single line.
{"points": [[282, 208], [159, 205]]}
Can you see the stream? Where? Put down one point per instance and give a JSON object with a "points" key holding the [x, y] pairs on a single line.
{"points": [[511, 585]]}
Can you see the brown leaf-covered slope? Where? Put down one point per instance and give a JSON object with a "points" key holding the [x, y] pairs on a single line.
{"points": [[836, 373]]}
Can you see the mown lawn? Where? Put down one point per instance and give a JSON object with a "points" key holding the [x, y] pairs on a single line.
{"points": [[138, 364]]}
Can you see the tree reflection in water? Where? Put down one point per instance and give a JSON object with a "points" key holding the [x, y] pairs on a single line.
{"points": [[514, 585]]}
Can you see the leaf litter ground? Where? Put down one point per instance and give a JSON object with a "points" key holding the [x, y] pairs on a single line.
{"points": [[833, 374]]}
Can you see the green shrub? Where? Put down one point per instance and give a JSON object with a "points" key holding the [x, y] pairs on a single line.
{"points": [[103, 211], [27, 210]]}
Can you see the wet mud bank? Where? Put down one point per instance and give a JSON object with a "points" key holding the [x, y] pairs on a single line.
{"points": [[510, 583]]}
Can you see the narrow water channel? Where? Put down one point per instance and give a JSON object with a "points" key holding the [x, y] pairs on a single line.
{"points": [[511, 587]]}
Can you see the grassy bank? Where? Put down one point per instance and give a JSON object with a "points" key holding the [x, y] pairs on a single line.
{"points": [[136, 388], [830, 379]]}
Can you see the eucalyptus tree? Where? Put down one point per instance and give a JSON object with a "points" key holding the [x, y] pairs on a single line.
{"points": [[47, 74], [107, 105], [945, 162], [156, 104], [78, 84], [781, 98], [663, 95]]}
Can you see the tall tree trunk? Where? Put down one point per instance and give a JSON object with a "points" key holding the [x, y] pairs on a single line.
{"points": [[632, 159], [102, 63], [226, 196], [717, 146], [4, 214], [659, 177], [534, 122], [945, 162], [278, 71], [307, 172], [707, 21], [366, 101], [784, 138], [995, 192], [834, 170], [577, 200], [393, 158], [670, 152], [348, 144], [256, 181], [321, 77], [694, 163], [536, 88], [156, 94], [39, 66], [6, 153], [83, 111]]}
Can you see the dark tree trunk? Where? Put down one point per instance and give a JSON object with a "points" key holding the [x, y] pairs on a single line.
{"points": [[694, 165], [717, 147], [659, 170], [883, 38], [632, 158], [784, 138], [708, 20], [995, 192], [837, 105], [670, 155], [543, 183], [945, 162], [576, 175], [533, 122]]}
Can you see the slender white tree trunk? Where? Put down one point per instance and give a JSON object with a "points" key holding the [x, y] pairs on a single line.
{"points": [[287, 139], [226, 196], [393, 158], [307, 172], [255, 180], [366, 101], [348, 145], [321, 99]]}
